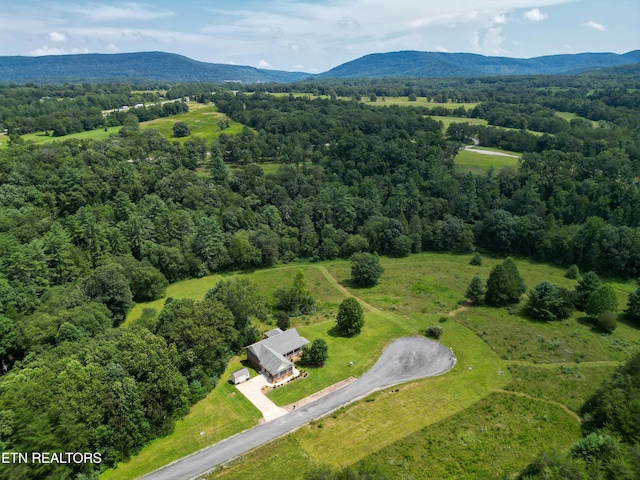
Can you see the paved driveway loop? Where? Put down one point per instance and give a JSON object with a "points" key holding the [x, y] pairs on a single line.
{"points": [[404, 360]]}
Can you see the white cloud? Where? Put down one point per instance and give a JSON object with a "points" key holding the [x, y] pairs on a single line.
{"points": [[264, 64], [500, 19], [112, 47], [47, 50], [493, 40], [126, 11], [57, 37], [595, 26], [440, 48], [535, 15]]}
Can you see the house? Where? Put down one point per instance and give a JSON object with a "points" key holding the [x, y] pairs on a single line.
{"points": [[240, 376], [275, 354]]}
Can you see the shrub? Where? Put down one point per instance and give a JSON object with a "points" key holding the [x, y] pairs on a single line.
{"points": [[365, 269], [434, 331], [181, 129], [282, 320], [476, 259], [607, 321], [602, 300], [573, 272]]}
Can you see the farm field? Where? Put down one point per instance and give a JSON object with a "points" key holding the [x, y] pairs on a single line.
{"points": [[508, 368]]}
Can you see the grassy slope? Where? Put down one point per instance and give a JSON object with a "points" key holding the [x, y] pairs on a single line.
{"points": [[413, 293], [201, 119], [352, 433]]}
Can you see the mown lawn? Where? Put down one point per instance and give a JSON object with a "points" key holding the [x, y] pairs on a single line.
{"points": [[381, 419]]}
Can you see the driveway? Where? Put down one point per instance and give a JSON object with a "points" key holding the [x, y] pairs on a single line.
{"points": [[404, 360], [252, 389]]}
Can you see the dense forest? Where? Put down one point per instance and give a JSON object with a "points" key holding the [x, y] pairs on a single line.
{"points": [[89, 226]]}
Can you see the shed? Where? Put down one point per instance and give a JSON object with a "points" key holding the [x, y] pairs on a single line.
{"points": [[240, 376]]}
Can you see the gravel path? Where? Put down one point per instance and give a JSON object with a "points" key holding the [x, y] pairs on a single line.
{"points": [[404, 360]]}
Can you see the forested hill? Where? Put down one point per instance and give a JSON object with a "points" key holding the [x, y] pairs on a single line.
{"points": [[440, 65], [128, 67], [168, 67]]}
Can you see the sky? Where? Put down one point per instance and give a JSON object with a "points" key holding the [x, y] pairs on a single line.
{"points": [[317, 35]]}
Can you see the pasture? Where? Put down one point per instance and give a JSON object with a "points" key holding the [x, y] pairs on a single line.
{"points": [[514, 390], [201, 119]]}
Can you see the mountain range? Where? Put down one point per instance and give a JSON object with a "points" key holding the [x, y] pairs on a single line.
{"points": [[169, 67]]}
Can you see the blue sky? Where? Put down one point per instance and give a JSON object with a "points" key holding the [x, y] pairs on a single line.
{"points": [[316, 35]]}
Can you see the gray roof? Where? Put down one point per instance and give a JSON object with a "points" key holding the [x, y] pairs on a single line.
{"points": [[271, 351], [272, 361], [273, 333], [240, 373], [283, 343]]}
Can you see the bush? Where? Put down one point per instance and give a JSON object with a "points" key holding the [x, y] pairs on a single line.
{"points": [[573, 272], [607, 321], [602, 300], [476, 259], [181, 129], [434, 331], [365, 269], [282, 320]]}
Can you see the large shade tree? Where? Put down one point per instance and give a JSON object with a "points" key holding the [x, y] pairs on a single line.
{"points": [[350, 319]]}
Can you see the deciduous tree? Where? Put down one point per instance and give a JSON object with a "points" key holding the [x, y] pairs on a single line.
{"points": [[350, 319]]}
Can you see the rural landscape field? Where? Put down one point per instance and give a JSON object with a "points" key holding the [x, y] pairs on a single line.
{"points": [[409, 265]]}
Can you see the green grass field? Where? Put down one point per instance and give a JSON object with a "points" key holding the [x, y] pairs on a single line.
{"points": [[201, 119], [479, 163], [494, 438], [40, 137], [449, 120], [353, 432], [420, 102], [568, 116], [513, 391]]}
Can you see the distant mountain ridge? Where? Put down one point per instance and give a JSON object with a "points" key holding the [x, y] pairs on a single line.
{"points": [[437, 64], [153, 66], [169, 67]]}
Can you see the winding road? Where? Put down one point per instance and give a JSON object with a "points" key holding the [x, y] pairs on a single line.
{"points": [[404, 360]]}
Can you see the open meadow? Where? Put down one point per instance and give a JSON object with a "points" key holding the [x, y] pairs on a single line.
{"points": [[201, 119], [514, 391], [473, 161]]}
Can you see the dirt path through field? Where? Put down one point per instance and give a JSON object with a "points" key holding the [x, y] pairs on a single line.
{"points": [[543, 400], [331, 279]]}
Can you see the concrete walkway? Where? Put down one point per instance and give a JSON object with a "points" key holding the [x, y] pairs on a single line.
{"points": [[252, 389]]}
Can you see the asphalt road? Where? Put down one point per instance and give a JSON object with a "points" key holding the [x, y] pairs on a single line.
{"points": [[403, 360]]}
